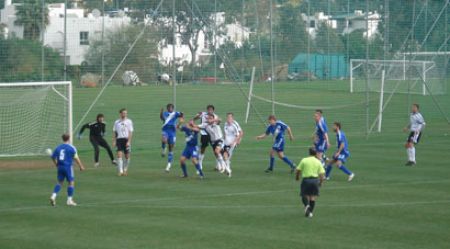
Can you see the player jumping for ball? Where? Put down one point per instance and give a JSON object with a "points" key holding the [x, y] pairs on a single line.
{"points": [[63, 157], [205, 139], [168, 135], [277, 129], [233, 136]]}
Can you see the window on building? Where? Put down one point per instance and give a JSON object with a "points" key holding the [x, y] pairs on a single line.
{"points": [[84, 38], [312, 23], [206, 43]]}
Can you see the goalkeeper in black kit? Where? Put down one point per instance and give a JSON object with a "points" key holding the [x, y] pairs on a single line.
{"points": [[96, 133]]}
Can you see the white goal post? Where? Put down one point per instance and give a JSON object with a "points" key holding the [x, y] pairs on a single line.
{"points": [[33, 116], [401, 76]]}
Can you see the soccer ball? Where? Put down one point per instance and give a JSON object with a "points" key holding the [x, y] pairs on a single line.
{"points": [[48, 151]]}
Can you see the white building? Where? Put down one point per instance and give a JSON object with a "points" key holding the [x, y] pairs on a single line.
{"points": [[344, 24], [81, 29], [234, 32]]}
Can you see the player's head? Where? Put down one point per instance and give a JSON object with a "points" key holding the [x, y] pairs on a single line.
{"points": [[337, 126], [65, 137], [100, 117], [312, 151], [211, 118], [170, 107], [415, 107], [230, 117], [123, 113], [317, 115], [272, 119], [210, 109]]}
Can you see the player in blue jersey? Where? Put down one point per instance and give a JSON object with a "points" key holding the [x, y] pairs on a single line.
{"points": [[169, 130], [321, 141], [341, 154], [191, 149], [276, 128], [63, 157]]}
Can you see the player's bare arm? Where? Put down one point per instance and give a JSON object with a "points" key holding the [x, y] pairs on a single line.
{"points": [[321, 179], [130, 136], [161, 114], [291, 136], [297, 175], [262, 136], [80, 164]]}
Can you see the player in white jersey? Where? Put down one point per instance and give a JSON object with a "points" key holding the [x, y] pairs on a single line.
{"points": [[122, 135], [415, 127], [216, 138], [205, 137], [233, 136]]}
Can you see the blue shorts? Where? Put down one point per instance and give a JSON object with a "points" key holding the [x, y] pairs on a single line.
{"points": [[321, 146], [65, 173], [190, 152], [278, 146], [170, 135], [341, 157]]}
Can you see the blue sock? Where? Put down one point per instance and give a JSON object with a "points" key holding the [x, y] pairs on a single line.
{"points": [[328, 170], [289, 162], [345, 170], [272, 162], [163, 145], [183, 167], [200, 172], [170, 157], [57, 188], [70, 191]]}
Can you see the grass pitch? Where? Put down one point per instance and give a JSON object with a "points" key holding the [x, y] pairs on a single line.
{"points": [[387, 205]]}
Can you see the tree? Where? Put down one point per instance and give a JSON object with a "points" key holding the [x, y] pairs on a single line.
{"points": [[21, 61], [142, 58], [33, 17], [327, 40]]}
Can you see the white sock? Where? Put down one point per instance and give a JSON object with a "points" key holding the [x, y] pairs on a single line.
{"points": [[200, 160], [228, 165], [220, 162], [120, 165], [69, 198], [53, 196], [413, 154], [126, 163]]}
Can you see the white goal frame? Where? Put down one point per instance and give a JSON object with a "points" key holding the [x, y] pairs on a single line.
{"points": [[425, 66], [69, 97]]}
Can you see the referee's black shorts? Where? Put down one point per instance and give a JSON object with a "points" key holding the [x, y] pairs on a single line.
{"points": [[309, 187], [205, 141]]}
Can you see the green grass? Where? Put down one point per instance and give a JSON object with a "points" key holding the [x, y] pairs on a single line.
{"points": [[386, 206]]}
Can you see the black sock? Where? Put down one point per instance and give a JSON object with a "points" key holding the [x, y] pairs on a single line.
{"points": [[305, 201], [311, 205]]}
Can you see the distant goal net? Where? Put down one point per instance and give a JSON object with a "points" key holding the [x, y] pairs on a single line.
{"points": [[408, 76], [33, 116]]}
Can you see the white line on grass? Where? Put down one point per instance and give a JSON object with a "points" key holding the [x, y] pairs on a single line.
{"points": [[97, 204]]}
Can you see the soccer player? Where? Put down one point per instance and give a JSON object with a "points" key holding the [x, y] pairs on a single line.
{"points": [[415, 127], [168, 135], [63, 157], [122, 135], [341, 155], [233, 137], [215, 134], [312, 172], [321, 141], [191, 149], [277, 129], [205, 138], [96, 134]]}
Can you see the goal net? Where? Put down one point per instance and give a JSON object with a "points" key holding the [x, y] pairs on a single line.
{"points": [[408, 75], [33, 116]]}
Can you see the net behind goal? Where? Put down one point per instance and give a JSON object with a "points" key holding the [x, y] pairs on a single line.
{"points": [[408, 76], [33, 116]]}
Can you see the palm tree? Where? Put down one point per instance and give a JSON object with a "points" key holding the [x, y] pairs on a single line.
{"points": [[29, 14]]}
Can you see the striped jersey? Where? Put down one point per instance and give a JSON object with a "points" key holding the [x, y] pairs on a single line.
{"points": [[123, 128], [232, 131], [416, 122], [204, 121]]}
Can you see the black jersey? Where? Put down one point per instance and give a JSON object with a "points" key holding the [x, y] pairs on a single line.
{"points": [[96, 129]]}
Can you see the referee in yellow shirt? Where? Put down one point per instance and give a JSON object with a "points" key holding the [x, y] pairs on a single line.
{"points": [[313, 174]]}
